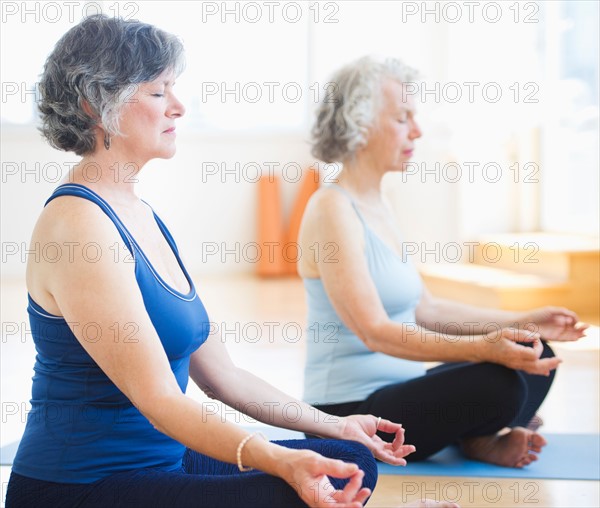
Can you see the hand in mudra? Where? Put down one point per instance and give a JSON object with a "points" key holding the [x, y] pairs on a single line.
{"points": [[506, 347], [555, 323], [363, 429]]}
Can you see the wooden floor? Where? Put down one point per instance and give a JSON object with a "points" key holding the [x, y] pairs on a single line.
{"points": [[242, 305], [482, 492]]}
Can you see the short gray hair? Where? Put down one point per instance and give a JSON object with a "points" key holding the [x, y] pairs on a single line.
{"points": [[99, 61], [349, 108]]}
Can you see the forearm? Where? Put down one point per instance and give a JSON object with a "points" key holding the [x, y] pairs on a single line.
{"points": [[413, 342], [187, 421], [447, 316], [260, 400]]}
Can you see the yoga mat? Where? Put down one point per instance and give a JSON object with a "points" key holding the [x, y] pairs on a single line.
{"points": [[308, 186], [7, 453], [565, 457], [271, 228]]}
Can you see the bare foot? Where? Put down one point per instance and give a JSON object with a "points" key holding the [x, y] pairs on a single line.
{"points": [[516, 448], [430, 503]]}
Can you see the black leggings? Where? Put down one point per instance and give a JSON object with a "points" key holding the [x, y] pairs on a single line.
{"points": [[454, 401], [202, 482]]}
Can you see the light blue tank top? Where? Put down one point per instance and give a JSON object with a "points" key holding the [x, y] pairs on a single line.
{"points": [[81, 427], [339, 366]]}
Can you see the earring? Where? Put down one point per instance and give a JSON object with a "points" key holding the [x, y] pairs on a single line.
{"points": [[106, 140]]}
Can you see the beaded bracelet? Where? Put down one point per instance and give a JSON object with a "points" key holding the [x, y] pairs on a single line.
{"points": [[241, 446]]}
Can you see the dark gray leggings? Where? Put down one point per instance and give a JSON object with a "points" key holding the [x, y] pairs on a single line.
{"points": [[454, 401]]}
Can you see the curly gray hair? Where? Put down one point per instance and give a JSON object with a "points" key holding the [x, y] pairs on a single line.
{"points": [[348, 111], [99, 61]]}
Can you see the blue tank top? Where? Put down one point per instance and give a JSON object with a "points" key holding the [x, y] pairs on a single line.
{"points": [[81, 427], [339, 366]]}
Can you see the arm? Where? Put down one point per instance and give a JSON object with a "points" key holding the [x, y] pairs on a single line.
{"points": [[84, 292], [213, 371], [552, 323], [440, 314], [331, 218]]}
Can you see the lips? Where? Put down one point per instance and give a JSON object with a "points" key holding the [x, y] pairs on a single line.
{"points": [[170, 131]]}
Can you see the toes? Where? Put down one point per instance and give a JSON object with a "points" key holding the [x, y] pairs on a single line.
{"points": [[533, 446], [538, 440], [526, 460], [522, 463]]}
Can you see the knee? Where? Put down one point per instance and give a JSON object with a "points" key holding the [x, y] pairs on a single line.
{"points": [[366, 462], [504, 380], [356, 453], [506, 389], [548, 352], [347, 451]]}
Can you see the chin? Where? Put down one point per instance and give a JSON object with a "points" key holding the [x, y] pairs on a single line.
{"points": [[166, 154], [398, 168], [405, 164]]}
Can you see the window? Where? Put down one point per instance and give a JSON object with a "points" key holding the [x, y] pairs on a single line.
{"points": [[570, 132]]}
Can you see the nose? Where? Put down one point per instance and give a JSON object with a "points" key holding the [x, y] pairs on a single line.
{"points": [[415, 130], [176, 108]]}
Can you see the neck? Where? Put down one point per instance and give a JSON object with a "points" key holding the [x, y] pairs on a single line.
{"points": [[106, 172], [363, 178]]}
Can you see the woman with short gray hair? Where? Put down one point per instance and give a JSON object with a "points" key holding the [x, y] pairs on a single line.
{"points": [[117, 341], [373, 321], [349, 111]]}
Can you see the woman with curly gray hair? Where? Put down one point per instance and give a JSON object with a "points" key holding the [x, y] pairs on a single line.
{"points": [[375, 323], [117, 341]]}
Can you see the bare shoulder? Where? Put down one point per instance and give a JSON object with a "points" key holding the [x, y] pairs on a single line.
{"points": [[69, 231], [329, 208], [329, 220], [69, 217]]}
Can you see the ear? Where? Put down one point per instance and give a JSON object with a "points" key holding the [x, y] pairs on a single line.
{"points": [[88, 110]]}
